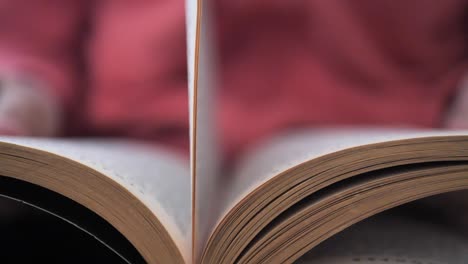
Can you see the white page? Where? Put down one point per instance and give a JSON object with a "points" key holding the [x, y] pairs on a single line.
{"points": [[159, 178], [391, 239], [287, 150], [204, 150], [191, 13]]}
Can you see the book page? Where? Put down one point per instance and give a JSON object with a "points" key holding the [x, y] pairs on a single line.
{"points": [[191, 13], [156, 176], [204, 152], [391, 238], [192, 17], [287, 150]]}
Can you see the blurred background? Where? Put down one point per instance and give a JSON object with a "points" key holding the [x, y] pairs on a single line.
{"points": [[84, 68], [118, 68]]}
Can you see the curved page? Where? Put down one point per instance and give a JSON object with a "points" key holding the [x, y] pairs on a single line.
{"points": [[155, 176]]}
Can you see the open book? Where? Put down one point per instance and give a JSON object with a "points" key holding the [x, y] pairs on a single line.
{"points": [[286, 196]]}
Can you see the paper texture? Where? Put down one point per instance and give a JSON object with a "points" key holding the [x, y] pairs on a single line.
{"points": [[287, 150], [192, 29], [155, 176], [207, 152], [203, 128], [192, 21], [191, 13], [391, 238]]}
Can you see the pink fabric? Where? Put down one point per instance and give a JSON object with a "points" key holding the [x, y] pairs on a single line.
{"points": [[41, 38], [283, 63]]}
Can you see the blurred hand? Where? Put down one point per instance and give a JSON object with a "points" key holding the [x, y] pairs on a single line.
{"points": [[26, 109], [457, 117]]}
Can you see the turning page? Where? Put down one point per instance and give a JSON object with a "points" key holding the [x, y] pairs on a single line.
{"points": [[191, 13], [204, 151]]}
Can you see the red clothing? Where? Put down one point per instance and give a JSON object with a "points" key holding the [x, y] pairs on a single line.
{"points": [[121, 64]]}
